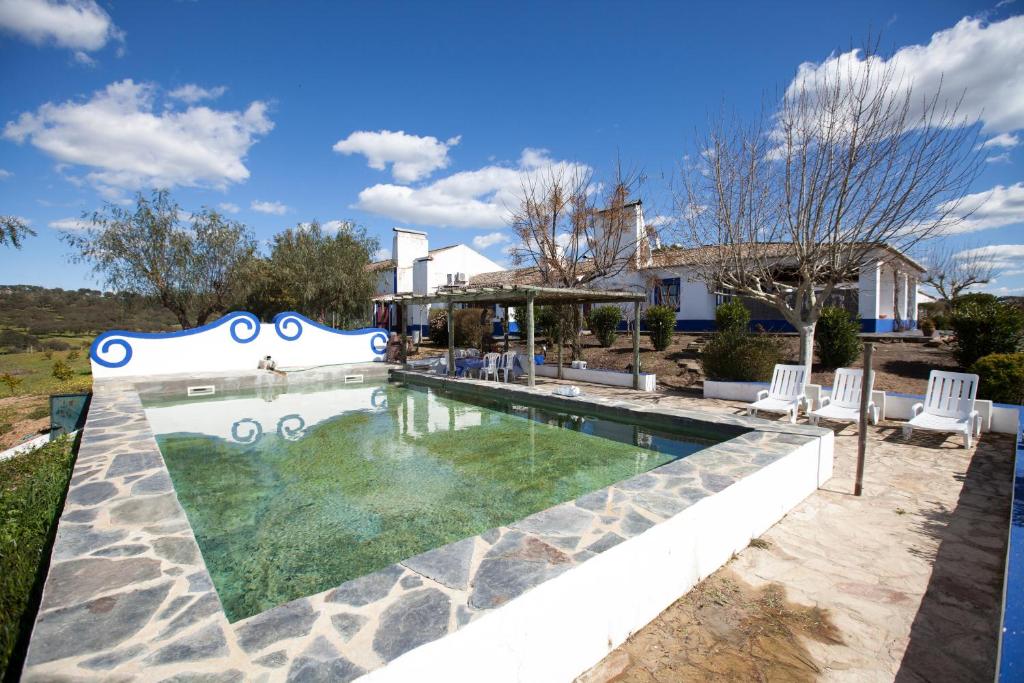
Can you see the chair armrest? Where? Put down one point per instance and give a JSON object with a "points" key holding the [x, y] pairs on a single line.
{"points": [[916, 409], [762, 395], [825, 401]]}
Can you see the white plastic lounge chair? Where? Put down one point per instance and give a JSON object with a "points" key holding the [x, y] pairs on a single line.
{"points": [[786, 393], [843, 404], [948, 406], [490, 367], [508, 363]]}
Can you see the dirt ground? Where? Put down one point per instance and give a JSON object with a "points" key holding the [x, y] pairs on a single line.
{"points": [[724, 629], [899, 366], [16, 423]]}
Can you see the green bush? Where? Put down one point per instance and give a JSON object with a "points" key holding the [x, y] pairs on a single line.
{"points": [[32, 488], [73, 354], [62, 371], [1002, 377], [604, 323], [983, 325], [469, 331], [661, 323], [738, 356], [11, 382], [732, 316], [837, 337]]}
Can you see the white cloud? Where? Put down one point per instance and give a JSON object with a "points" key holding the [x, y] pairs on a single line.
{"points": [[228, 207], [973, 58], [118, 135], [382, 254], [75, 24], [276, 208], [191, 93], [1003, 158], [1003, 140], [995, 208], [5, 174], [83, 58], [412, 157], [468, 199], [70, 224], [490, 239]]}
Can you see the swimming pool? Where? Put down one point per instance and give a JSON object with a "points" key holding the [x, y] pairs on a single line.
{"points": [[292, 493]]}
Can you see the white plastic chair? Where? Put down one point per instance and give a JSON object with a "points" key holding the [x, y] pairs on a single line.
{"points": [[948, 406], [786, 393], [508, 363], [490, 366], [843, 404]]}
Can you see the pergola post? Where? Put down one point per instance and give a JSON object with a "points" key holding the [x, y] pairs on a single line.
{"points": [[530, 370], [636, 345], [451, 339], [401, 334]]}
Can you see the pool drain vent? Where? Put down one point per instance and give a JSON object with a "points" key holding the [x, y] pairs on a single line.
{"points": [[204, 390], [352, 379]]}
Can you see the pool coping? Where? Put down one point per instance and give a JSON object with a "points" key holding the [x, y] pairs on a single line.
{"points": [[128, 592]]}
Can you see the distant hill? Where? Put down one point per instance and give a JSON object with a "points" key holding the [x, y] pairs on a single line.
{"points": [[40, 311]]}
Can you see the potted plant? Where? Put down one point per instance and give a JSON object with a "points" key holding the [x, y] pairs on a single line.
{"points": [[927, 327]]}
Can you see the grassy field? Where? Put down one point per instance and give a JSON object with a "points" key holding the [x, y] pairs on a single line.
{"points": [[24, 404]]}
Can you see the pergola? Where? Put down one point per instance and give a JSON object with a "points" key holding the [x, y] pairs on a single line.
{"points": [[520, 296]]}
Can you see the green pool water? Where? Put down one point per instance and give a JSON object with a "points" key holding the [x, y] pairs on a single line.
{"points": [[292, 494]]}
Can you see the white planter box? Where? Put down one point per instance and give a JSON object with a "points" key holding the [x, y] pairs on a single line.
{"points": [[609, 377]]}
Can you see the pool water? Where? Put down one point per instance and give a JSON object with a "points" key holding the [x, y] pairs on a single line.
{"points": [[290, 494]]}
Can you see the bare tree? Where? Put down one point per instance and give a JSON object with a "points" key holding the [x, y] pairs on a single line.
{"points": [[13, 230], [790, 206], [950, 273], [569, 238]]}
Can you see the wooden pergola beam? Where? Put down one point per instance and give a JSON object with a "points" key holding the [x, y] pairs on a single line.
{"points": [[516, 294]]}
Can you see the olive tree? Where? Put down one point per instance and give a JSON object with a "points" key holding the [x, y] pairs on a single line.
{"points": [[13, 230], [194, 265], [789, 206], [951, 273]]}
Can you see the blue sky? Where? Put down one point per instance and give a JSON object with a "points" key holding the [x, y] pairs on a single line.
{"points": [[425, 114]]}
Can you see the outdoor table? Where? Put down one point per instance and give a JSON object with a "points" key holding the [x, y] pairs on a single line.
{"points": [[464, 365]]}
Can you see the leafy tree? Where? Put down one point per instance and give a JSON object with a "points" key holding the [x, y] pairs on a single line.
{"points": [[146, 250], [13, 229], [319, 274], [11, 382]]}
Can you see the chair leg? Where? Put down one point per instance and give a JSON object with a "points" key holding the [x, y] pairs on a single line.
{"points": [[792, 416], [908, 431], [967, 438]]}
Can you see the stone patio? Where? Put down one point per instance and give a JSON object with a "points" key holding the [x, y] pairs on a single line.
{"points": [[911, 572]]}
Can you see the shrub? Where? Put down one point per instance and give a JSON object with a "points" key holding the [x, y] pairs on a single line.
{"points": [[983, 326], [11, 382], [73, 354], [48, 355], [732, 316], [32, 490], [604, 323], [469, 331], [661, 323], [837, 337], [62, 371], [17, 341], [738, 356], [1002, 377], [56, 345], [437, 326]]}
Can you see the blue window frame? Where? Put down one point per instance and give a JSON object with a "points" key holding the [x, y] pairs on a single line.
{"points": [[666, 293]]}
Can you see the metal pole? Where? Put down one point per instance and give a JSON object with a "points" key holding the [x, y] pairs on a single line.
{"points": [[530, 372], [862, 428], [636, 345], [451, 340]]}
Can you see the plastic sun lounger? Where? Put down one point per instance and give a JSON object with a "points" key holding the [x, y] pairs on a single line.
{"points": [[843, 404], [786, 393], [948, 406]]}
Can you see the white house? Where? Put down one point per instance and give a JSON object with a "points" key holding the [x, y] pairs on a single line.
{"points": [[416, 268], [884, 297]]}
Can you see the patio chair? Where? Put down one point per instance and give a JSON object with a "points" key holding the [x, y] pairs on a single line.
{"points": [[490, 367], [786, 393], [843, 404], [508, 364], [948, 406]]}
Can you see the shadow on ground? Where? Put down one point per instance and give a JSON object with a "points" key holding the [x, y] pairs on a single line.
{"points": [[954, 634]]}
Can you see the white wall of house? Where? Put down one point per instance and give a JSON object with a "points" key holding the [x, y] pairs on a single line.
{"points": [[406, 247]]}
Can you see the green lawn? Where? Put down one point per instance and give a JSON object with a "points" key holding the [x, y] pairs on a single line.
{"points": [[32, 374], [32, 489]]}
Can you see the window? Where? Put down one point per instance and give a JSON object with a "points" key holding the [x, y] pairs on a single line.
{"points": [[666, 293]]}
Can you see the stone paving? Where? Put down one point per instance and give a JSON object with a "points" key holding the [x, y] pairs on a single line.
{"points": [[128, 594], [911, 572]]}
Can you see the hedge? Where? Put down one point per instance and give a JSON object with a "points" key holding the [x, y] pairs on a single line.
{"points": [[32, 489], [984, 325]]}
